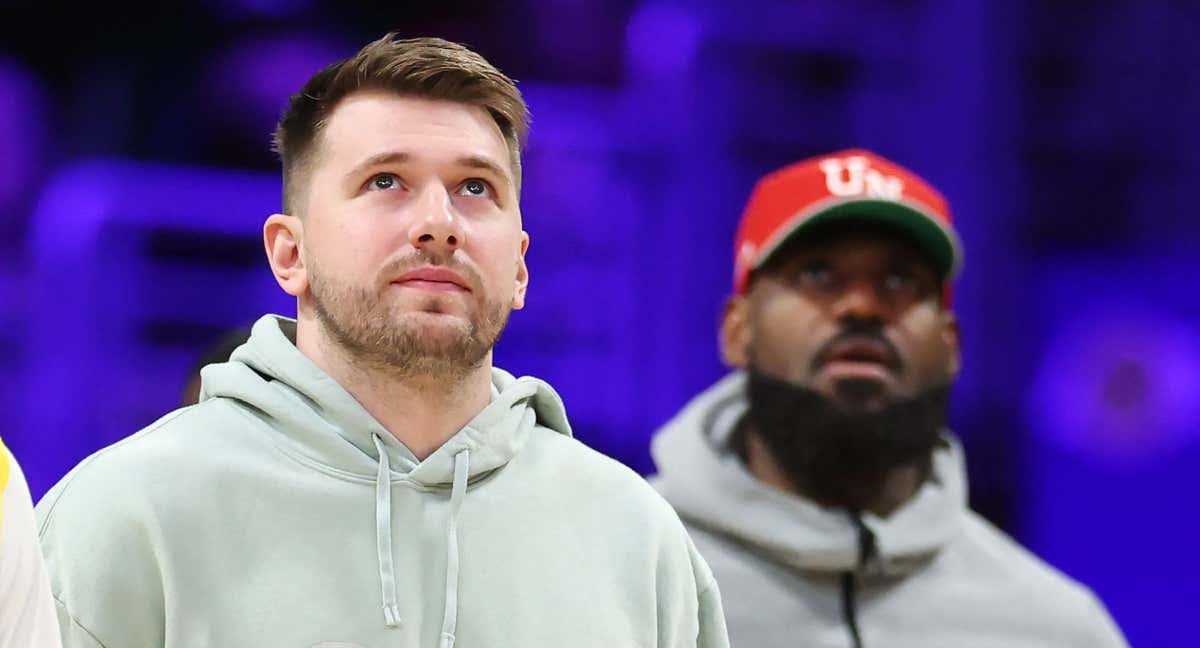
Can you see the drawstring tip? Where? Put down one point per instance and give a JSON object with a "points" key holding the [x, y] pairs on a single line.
{"points": [[391, 616], [447, 640]]}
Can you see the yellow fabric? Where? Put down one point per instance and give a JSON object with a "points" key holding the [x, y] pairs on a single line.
{"points": [[4, 470]]}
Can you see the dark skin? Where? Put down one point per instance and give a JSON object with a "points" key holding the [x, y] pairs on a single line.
{"points": [[856, 314]]}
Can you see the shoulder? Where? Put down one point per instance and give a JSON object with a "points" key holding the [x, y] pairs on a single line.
{"points": [[154, 463], [990, 555], [612, 493], [991, 549], [584, 472]]}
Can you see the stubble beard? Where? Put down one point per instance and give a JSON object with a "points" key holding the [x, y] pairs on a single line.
{"points": [[378, 334]]}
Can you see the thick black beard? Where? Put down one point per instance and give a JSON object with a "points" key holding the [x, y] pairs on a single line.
{"points": [[835, 457]]}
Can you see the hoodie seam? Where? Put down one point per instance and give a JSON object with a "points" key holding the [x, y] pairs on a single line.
{"points": [[336, 473], [309, 462], [72, 477], [75, 622]]}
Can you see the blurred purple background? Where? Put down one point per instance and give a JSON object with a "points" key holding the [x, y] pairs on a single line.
{"points": [[135, 176]]}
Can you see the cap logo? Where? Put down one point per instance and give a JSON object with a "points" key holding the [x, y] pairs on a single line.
{"points": [[853, 176]]}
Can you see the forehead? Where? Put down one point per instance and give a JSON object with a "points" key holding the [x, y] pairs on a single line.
{"points": [[368, 123]]}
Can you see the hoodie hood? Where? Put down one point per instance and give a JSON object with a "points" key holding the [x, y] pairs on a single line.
{"points": [[710, 487], [322, 421], [319, 420]]}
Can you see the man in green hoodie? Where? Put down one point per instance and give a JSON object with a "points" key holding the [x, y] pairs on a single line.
{"points": [[362, 475]]}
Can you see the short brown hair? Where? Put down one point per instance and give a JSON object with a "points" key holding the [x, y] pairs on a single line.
{"points": [[430, 68]]}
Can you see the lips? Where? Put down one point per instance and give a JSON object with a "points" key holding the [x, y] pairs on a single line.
{"points": [[860, 350], [433, 278]]}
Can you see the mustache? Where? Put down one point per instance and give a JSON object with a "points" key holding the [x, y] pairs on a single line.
{"points": [[421, 259]]}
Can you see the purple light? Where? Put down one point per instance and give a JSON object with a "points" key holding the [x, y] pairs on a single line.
{"points": [[662, 39], [252, 81], [92, 268], [271, 8], [1120, 382], [22, 132]]}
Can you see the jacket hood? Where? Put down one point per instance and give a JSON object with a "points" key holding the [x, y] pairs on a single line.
{"points": [[710, 486], [321, 420]]}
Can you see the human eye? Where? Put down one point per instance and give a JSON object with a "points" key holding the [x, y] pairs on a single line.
{"points": [[908, 284], [476, 188], [383, 182], [813, 274], [900, 281]]}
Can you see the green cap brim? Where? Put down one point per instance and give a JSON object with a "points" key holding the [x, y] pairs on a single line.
{"points": [[937, 241]]}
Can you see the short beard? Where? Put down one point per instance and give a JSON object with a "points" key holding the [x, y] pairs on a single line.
{"points": [[377, 336], [835, 457]]}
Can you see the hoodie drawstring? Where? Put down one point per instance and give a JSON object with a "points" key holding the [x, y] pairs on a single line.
{"points": [[462, 466], [383, 536]]}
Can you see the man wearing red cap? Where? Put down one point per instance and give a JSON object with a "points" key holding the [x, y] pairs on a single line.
{"points": [[818, 479]]}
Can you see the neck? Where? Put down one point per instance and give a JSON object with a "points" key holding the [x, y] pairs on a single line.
{"points": [[421, 412], [881, 496]]}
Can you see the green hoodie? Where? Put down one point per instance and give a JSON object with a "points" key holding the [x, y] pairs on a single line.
{"points": [[278, 512]]}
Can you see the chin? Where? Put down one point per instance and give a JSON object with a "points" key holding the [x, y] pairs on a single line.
{"points": [[423, 325], [861, 395]]}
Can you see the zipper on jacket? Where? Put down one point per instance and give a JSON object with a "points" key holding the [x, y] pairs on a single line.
{"points": [[866, 552], [848, 611]]}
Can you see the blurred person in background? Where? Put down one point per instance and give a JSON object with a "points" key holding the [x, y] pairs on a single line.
{"points": [[218, 353], [27, 618], [819, 479], [362, 475]]}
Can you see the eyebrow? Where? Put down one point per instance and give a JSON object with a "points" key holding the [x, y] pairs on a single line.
{"points": [[487, 164], [399, 157], [389, 157]]}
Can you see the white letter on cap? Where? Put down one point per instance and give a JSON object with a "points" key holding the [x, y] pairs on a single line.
{"points": [[885, 187], [853, 185]]}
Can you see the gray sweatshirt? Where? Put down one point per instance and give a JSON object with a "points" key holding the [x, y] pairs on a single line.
{"points": [[932, 575], [278, 512]]}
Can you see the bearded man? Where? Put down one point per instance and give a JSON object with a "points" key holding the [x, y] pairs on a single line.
{"points": [[819, 479], [362, 476]]}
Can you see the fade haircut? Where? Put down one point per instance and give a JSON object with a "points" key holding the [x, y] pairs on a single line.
{"points": [[428, 68]]}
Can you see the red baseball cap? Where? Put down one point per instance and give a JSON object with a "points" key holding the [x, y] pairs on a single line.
{"points": [[853, 184]]}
